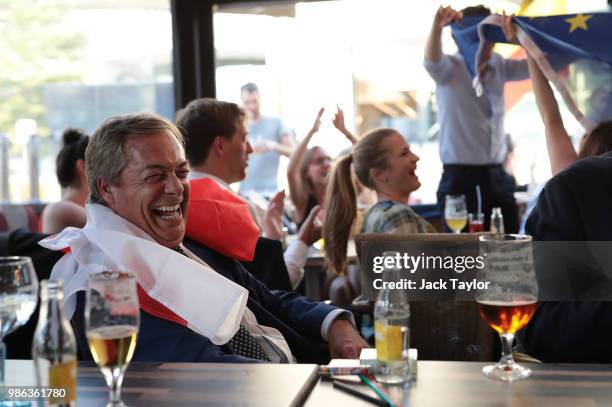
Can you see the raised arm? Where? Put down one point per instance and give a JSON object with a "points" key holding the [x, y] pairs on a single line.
{"points": [[296, 189], [338, 122], [444, 16], [560, 148]]}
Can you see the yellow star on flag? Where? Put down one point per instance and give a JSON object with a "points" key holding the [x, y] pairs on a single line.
{"points": [[579, 21]]}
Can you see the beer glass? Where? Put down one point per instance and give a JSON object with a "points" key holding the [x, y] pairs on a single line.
{"points": [[111, 321], [510, 300], [455, 212]]}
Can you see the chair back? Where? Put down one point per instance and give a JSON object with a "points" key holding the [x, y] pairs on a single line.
{"points": [[442, 330]]}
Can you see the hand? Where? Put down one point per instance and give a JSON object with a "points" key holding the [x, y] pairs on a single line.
{"points": [[509, 28], [270, 145], [338, 120], [265, 146], [444, 16], [344, 340], [310, 231], [272, 222], [317, 123]]}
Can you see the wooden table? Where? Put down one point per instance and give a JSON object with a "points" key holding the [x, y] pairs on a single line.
{"points": [[439, 384]]}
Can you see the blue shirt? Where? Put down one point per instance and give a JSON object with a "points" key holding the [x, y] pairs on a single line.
{"points": [[262, 171], [471, 127]]}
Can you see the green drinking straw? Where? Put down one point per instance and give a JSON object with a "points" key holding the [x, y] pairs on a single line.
{"points": [[379, 392]]}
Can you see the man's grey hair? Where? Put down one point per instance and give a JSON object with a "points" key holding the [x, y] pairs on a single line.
{"points": [[106, 155]]}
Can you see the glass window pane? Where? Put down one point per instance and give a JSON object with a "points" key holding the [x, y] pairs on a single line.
{"points": [[69, 63]]}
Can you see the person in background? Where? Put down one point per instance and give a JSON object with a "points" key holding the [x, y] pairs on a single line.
{"points": [[218, 149], [382, 161], [472, 137], [70, 170], [309, 168], [270, 139]]}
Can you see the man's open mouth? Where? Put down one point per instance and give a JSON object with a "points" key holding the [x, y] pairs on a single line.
{"points": [[168, 211]]}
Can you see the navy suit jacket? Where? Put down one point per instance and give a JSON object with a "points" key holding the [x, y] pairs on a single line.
{"points": [[298, 319], [575, 205]]}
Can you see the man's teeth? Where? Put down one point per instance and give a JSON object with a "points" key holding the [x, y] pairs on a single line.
{"points": [[169, 212], [168, 208]]}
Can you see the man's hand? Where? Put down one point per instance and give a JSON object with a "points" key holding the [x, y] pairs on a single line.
{"points": [[509, 28], [272, 222], [310, 231], [444, 16], [265, 146], [344, 340]]}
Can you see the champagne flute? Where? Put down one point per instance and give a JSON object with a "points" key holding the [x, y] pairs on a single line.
{"points": [[18, 298], [510, 301], [112, 319], [455, 212]]}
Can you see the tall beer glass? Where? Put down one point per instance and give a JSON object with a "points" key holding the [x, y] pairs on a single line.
{"points": [[112, 319], [510, 300]]}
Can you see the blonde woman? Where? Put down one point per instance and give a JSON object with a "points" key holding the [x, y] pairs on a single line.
{"points": [[383, 162]]}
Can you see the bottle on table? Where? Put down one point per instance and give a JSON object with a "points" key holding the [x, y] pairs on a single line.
{"points": [[497, 221], [54, 348], [391, 329]]}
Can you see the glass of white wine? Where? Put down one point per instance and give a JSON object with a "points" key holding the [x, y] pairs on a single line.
{"points": [[18, 298], [112, 319], [455, 212]]}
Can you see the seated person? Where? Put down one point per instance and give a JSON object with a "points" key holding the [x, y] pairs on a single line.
{"points": [[573, 206], [218, 150], [190, 311], [382, 161], [70, 170]]}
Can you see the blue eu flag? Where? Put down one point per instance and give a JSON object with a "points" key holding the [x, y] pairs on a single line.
{"points": [[582, 40]]}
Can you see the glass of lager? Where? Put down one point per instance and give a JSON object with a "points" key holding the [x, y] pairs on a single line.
{"points": [[510, 300]]}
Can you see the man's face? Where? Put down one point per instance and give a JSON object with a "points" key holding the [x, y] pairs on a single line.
{"points": [[250, 102], [153, 190], [236, 152]]}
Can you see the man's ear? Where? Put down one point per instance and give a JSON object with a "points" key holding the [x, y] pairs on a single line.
{"points": [[218, 145], [107, 191]]}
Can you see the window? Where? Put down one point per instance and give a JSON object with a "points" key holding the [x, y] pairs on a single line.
{"points": [[72, 63]]}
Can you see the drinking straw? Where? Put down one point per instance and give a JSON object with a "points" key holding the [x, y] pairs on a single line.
{"points": [[379, 392], [479, 199], [349, 390]]}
